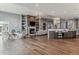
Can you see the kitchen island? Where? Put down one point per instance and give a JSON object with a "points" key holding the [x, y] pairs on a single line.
{"points": [[61, 34]]}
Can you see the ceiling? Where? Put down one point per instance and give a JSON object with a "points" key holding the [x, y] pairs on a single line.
{"points": [[64, 10]]}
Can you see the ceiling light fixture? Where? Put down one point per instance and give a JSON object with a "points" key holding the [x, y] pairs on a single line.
{"points": [[36, 5]]}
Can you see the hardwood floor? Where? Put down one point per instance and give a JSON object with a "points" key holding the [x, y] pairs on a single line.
{"points": [[40, 46]]}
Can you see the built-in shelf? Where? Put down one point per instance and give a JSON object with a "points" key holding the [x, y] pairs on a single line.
{"points": [[23, 23], [33, 22]]}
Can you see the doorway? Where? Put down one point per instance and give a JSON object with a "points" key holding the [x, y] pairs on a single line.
{"points": [[3, 28]]}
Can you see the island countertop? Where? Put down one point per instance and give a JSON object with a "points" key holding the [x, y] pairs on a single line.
{"points": [[65, 33]]}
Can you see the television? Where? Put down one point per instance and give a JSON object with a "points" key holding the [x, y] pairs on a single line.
{"points": [[32, 23]]}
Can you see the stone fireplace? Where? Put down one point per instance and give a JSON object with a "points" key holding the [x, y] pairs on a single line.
{"points": [[32, 30]]}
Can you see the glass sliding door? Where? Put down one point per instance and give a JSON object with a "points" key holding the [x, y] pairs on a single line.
{"points": [[3, 29]]}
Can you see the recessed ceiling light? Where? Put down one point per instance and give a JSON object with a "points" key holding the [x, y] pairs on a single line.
{"points": [[36, 5]]}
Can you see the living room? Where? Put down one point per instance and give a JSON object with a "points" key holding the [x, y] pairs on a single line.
{"points": [[39, 29]]}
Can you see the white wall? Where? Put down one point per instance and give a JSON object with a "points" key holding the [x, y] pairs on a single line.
{"points": [[13, 19], [13, 8]]}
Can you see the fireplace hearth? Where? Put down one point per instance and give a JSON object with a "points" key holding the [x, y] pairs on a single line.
{"points": [[32, 30]]}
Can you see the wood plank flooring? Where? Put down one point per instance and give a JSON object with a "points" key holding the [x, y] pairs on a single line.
{"points": [[40, 46]]}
